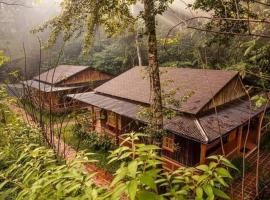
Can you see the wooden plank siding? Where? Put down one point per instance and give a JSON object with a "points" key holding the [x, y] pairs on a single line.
{"points": [[232, 91], [57, 100], [186, 152]]}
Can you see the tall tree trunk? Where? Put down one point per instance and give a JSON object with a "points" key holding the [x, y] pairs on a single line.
{"points": [[156, 100], [138, 49]]}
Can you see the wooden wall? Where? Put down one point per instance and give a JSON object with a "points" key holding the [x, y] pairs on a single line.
{"points": [[89, 75], [187, 152], [230, 92]]}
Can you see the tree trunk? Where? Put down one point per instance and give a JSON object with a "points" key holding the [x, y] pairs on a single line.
{"points": [[138, 49], [156, 100]]}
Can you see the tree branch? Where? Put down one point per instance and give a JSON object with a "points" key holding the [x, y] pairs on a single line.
{"points": [[230, 33], [14, 4], [262, 3]]}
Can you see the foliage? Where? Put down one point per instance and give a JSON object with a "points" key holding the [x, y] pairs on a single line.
{"points": [[255, 62], [265, 141], [37, 174], [141, 177], [3, 58], [263, 184], [94, 140], [259, 100], [83, 145], [34, 111], [248, 55], [238, 163], [29, 170]]}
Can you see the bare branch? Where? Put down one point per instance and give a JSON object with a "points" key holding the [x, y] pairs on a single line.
{"points": [[262, 3], [230, 33], [14, 4]]}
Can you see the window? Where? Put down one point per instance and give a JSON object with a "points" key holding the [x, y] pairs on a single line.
{"points": [[168, 143], [111, 119]]}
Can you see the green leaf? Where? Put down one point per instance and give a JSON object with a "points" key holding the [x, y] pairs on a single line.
{"points": [[148, 180], [219, 193], [132, 189], [199, 192], [228, 163], [212, 165], [132, 168], [145, 195], [208, 190], [203, 168], [3, 184], [223, 172], [122, 173]]}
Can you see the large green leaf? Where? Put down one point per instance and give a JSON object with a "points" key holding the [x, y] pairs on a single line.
{"points": [[132, 168], [148, 180], [220, 193], [132, 189]]}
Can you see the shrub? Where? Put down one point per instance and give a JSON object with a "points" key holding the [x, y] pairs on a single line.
{"points": [[265, 141], [92, 140], [264, 187], [100, 142], [238, 163]]}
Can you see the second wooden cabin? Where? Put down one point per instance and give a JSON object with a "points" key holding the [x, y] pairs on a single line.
{"points": [[50, 88]]}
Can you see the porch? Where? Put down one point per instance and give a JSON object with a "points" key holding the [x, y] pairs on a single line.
{"points": [[240, 141]]}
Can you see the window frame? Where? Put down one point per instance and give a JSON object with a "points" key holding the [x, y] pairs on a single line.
{"points": [[168, 143]]}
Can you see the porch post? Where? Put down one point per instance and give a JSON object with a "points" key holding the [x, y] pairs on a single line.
{"points": [[239, 138], [117, 130], [203, 153], [259, 128], [93, 118], [258, 152]]}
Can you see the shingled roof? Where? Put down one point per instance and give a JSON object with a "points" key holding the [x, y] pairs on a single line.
{"points": [[203, 84], [60, 73]]}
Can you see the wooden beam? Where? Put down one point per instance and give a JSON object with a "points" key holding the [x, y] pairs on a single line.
{"points": [[93, 118], [239, 138], [258, 152], [203, 154], [116, 129], [259, 128]]}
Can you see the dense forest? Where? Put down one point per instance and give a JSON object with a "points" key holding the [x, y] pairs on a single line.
{"points": [[44, 155]]}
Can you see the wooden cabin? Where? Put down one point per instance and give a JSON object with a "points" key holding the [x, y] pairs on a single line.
{"points": [[214, 110], [50, 88]]}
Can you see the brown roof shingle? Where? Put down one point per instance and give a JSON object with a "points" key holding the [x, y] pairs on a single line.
{"points": [[204, 84], [60, 73]]}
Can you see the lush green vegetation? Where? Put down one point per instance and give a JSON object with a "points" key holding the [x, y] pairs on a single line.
{"points": [[94, 143], [265, 142], [238, 163], [44, 114]]}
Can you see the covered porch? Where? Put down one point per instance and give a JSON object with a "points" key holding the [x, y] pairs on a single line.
{"points": [[242, 140]]}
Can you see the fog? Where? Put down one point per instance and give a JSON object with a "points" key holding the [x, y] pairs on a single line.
{"points": [[16, 21]]}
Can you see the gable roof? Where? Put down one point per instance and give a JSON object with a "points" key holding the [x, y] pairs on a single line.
{"points": [[203, 84], [60, 73]]}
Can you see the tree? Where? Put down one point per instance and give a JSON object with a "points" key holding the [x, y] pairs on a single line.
{"points": [[3, 58], [80, 16]]}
